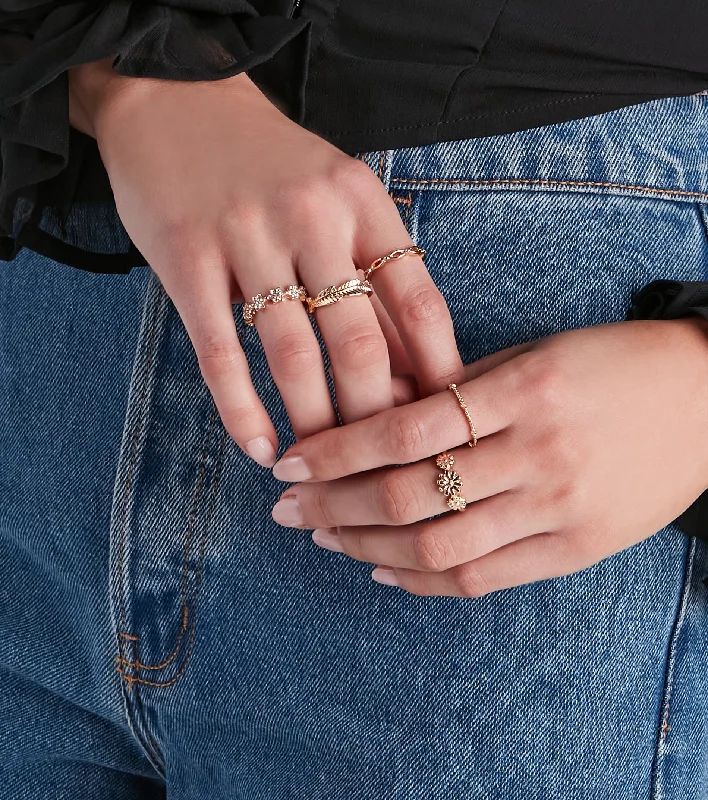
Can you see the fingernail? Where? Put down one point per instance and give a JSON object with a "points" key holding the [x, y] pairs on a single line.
{"points": [[327, 538], [261, 451], [292, 469], [287, 512], [385, 575]]}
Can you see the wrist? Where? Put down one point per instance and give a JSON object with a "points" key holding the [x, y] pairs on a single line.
{"points": [[99, 95], [95, 89]]}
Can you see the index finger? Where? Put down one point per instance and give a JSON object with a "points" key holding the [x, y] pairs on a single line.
{"points": [[407, 433]]}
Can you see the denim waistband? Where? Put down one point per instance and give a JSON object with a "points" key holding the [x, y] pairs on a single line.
{"points": [[659, 147]]}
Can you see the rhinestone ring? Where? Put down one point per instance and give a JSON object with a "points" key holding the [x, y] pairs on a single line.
{"points": [[274, 296]]}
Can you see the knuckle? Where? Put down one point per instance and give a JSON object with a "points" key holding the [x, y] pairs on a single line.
{"points": [[544, 381], [352, 174], [398, 499], [569, 499], [320, 507], [238, 417], [244, 217], [293, 355], [429, 551], [469, 581], [563, 451], [423, 304], [362, 349], [218, 357], [406, 436], [354, 543], [305, 199]]}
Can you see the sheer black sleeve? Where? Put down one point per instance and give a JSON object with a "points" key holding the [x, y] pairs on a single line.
{"points": [[54, 193], [669, 299]]}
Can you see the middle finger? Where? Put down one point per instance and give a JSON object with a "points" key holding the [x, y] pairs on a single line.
{"points": [[406, 494], [351, 331]]}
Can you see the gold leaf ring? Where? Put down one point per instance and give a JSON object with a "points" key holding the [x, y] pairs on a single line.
{"points": [[333, 294]]}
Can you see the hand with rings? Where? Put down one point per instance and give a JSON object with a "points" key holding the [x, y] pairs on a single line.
{"points": [[254, 208], [578, 453]]}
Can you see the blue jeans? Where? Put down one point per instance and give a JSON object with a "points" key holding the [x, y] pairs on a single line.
{"points": [[159, 634]]}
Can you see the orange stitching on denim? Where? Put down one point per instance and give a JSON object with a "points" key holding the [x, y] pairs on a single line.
{"points": [[381, 164], [405, 201], [551, 182], [185, 565], [128, 636], [130, 679]]}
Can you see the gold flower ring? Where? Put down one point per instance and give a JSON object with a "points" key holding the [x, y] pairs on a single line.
{"points": [[450, 482]]}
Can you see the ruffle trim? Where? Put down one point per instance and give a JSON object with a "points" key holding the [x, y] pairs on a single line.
{"points": [[39, 42]]}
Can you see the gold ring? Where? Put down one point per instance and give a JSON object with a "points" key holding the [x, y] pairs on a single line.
{"points": [[414, 250], [274, 296], [453, 388], [333, 294], [450, 482]]}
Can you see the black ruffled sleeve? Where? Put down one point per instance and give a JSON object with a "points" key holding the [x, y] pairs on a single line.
{"points": [[54, 193], [670, 299]]}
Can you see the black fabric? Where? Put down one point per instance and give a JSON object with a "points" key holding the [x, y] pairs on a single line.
{"points": [[669, 299], [363, 74], [46, 165]]}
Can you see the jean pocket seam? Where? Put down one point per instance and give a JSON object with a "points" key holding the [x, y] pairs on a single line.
{"points": [[550, 184], [657, 791], [132, 669]]}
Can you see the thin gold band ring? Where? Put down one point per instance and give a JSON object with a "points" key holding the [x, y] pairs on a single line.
{"points": [[473, 432], [414, 250]]}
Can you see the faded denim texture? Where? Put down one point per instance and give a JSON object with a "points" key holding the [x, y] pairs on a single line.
{"points": [[159, 634]]}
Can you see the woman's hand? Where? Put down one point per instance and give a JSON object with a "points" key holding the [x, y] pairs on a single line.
{"points": [[226, 198], [589, 441]]}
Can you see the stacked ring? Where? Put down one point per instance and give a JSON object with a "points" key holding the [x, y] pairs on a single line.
{"points": [[450, 483], [333, 294], [414, 250], [274, 296]]}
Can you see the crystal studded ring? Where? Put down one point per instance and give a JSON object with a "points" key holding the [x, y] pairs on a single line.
{"points": [[273, 297]]}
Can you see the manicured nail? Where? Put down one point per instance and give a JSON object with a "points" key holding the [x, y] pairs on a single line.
{"points": [[261, 451], [385, 575], [292, 469], [287, 512], [327, 538]]}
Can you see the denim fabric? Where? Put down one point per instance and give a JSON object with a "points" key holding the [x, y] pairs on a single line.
{"points": [[159, 633]]}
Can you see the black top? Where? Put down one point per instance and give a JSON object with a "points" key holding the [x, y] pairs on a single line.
{"points": [[363, 74]]}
